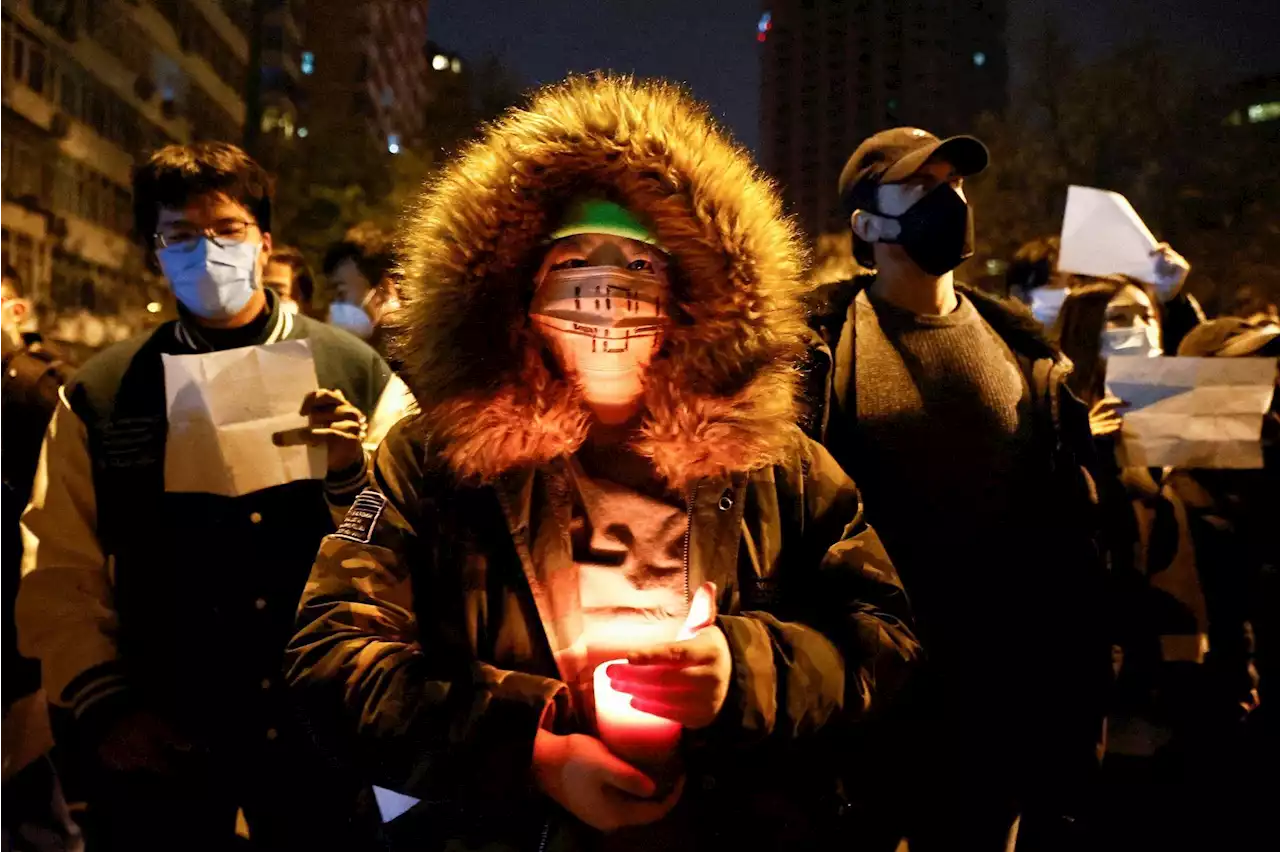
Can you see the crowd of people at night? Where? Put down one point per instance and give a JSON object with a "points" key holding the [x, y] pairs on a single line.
{"points": [[586, 566]]}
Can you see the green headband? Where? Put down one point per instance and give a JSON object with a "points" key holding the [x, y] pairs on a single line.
{"points": [[598, 216]]}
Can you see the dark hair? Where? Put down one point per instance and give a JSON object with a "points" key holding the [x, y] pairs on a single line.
{"points": [[864, 253], [175, 174], [1033, 264], [369, 247], [15, 280], [303, 281], [1079, 329]]}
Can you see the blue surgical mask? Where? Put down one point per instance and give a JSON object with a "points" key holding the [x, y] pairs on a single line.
{"points": [[212, 281], [1142, 341], [1046, 304], [352, 318]]}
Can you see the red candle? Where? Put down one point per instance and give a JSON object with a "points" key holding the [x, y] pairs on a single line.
{"points": [[636, 736]]}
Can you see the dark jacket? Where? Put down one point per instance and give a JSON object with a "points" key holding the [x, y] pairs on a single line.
{"points": [[424, 641], [1183, 578], [423, 631], [1053, 618], [134, 597]]}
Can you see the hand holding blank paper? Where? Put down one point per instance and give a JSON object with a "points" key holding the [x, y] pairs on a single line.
{"points": [[1103, 235]]}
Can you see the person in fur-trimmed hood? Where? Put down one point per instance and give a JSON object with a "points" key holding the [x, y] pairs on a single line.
{"points": [[601, 321]]}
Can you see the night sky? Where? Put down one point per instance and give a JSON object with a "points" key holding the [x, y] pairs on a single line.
{"points": [[710, 44]]}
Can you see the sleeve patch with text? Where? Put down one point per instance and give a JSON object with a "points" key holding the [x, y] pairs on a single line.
{"points": [[361, 518]]}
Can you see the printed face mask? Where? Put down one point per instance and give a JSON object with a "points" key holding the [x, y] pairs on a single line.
{"points": [[352, 318], [212, 281], [1138, 340], [937, 231], [603, 324], [1046, 304]]}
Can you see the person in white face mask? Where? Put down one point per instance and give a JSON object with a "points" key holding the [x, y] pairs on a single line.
{"points": [[159, 613], [603, 319], [359, 272], [1101, 318], [1033, 279]]}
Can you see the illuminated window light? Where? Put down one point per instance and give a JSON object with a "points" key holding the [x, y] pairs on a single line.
{"points": [[308, 62], [1259, 113], [439, 62], [979, 59], [456, 66]]}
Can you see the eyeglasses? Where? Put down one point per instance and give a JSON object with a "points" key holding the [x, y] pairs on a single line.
{"points": [[224, 235]]}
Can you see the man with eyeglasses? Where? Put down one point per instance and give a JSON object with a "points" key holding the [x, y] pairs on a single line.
{"points": [[160, 618]]}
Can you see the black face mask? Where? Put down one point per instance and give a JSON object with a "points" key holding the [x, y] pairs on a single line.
{"points": [[937, 232]]}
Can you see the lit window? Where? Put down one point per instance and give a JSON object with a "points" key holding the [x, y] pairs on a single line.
{"points": [[302, 133], [393, 143], [308, 62], [1259, 113], [439, 62], [979, 59], [456, 66]]}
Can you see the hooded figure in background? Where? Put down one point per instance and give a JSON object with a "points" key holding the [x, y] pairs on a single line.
{"points": [[605, 508]]}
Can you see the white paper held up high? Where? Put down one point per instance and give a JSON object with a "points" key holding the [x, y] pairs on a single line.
{"points": [[1103, 235], [1192, 412], [223, 408]]}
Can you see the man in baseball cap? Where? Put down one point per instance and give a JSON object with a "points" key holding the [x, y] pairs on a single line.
{"points": [[908, 164], [949, 408]]}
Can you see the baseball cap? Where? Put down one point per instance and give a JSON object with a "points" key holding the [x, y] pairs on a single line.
{"points": [[892, 156]]}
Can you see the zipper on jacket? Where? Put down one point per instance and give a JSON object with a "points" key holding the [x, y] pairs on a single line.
{"points": [[546, 833], [688, 542]]}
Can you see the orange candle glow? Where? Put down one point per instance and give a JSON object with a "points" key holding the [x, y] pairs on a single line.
{"points": [[634, 735]]}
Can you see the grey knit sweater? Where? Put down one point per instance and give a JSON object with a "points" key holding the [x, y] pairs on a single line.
{"points": [[943, 424]]}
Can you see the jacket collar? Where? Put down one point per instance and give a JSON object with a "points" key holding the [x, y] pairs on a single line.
{"points": [[279, 326]]}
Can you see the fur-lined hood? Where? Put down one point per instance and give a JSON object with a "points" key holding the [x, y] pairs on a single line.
{"points": [[720, 400]]}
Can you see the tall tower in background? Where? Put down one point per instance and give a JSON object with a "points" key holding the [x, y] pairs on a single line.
{"points": [[833, 72], [369, 69]]}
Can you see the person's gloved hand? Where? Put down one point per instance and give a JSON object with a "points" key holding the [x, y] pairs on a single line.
{"points": [[1171, 271], [686, 680], [593, 784], [142, 741]]}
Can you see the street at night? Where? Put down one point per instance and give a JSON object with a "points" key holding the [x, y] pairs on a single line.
{"points": [[598, 425]]}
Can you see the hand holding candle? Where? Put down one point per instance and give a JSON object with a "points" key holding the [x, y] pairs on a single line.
{"points": [[685, 681], [601, 789]]}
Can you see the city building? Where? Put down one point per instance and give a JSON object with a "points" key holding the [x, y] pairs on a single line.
{"points": [[366, 70], [278, 97], [836, 71], [89, 88]]}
